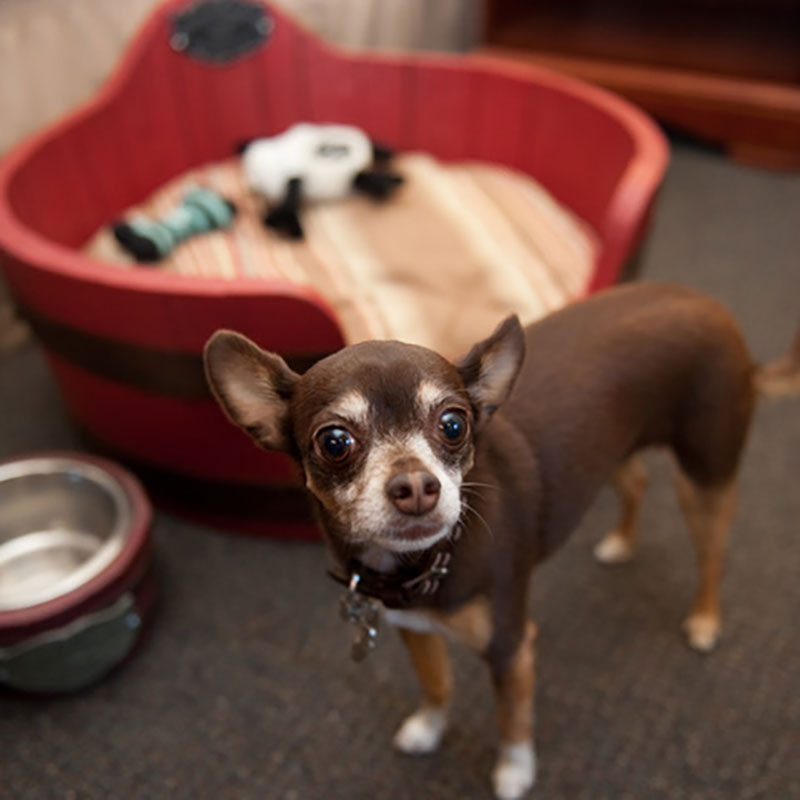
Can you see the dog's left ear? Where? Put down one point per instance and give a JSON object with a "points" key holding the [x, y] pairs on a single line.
{"points": [[253, 387], [491, 367]]}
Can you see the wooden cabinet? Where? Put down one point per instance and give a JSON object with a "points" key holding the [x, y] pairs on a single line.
{"points": [[727, 71]]}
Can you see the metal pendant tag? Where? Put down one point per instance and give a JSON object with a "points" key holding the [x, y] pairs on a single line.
{"points": [[364, 613]]}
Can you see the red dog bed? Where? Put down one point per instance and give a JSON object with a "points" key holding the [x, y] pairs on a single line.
{"points": [[125, 344]]}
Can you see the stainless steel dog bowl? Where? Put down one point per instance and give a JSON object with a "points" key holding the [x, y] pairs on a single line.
{"points": [[74, 569], [62, 522]]}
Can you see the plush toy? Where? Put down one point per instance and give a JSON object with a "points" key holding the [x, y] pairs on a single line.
{"points": [[312, 163], [201, 210]]}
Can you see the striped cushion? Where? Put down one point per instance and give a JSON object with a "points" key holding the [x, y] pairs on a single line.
{"points": [[458, 248]]}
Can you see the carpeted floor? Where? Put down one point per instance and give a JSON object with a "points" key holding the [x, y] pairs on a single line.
{"points": [[244, 688]]}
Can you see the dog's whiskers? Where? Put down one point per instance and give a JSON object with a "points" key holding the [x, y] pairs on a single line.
{"points": [[470, 484], [472, 510], [471, 493]]}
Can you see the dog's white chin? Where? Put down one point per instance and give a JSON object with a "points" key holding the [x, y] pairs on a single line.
{"points": [[401, 545]]}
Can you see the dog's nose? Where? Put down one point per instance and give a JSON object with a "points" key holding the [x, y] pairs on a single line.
{"points": [[413, 493]]}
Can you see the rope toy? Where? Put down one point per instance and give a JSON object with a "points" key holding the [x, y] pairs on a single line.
{"points": [[201, 211]]}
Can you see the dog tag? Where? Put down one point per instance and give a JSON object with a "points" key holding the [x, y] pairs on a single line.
{"points": [[364, 613], [364, 643]]}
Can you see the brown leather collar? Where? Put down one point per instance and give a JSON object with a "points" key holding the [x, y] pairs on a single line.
{"points": [[407, 586]]}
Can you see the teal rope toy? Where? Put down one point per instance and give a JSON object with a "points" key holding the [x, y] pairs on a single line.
{"points": [[201, 211]]}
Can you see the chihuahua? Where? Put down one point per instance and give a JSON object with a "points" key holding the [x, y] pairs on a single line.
{"points": [[440, 485]]}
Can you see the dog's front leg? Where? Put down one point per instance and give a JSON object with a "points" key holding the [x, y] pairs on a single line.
{"points": [[515, 770], [423, 730]]}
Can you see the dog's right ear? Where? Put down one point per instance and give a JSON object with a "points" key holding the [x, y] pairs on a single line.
{"points": [[253, 387]]}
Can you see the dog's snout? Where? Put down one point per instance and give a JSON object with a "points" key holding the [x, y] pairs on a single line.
{"points": [[414, 493]]}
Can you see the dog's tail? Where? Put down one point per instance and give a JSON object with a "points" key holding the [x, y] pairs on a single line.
{"points": [[781, 377]]}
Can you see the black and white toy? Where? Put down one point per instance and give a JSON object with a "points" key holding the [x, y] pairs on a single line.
{"points": [[311, 163]]}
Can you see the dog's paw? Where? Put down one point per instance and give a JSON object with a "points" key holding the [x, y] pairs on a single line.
{"points": [[515, 771], [702, 631], [422, 731], [613, 548]]}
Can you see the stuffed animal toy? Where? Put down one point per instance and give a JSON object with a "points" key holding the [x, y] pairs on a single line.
{"points": [[201, 210], [314, 163]]}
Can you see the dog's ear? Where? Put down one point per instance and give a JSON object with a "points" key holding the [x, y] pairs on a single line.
{"points": [[491, 367], [253, 387]]}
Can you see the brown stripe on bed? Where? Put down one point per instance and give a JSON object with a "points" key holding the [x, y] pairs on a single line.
{"points": [[166, 372]]}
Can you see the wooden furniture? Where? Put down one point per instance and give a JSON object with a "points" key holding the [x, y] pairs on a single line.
{"points": [[728, 73]]}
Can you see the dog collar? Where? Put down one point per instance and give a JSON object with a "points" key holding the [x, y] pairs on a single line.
{"points": [[404, 588], [407, 586]]}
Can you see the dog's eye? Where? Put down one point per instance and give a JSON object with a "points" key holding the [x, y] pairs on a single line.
{"points": [[453, 426], [335, 444]]}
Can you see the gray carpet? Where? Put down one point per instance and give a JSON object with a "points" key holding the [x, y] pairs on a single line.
{"points": [[244, 688]]}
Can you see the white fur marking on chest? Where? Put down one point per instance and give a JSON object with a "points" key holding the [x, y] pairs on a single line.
{"points": [[417, 621]]}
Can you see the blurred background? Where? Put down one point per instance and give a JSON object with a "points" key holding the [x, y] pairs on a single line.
{"points": [[243, 688], [724, 72]]}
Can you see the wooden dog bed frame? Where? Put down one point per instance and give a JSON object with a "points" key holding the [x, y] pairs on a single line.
{"points": [[125, 345]]}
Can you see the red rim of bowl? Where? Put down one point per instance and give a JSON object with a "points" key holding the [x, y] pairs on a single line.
{"points": [[135, 541]]}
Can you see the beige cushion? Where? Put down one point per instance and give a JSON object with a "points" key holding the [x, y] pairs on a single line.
{"points": [[454, 251]]}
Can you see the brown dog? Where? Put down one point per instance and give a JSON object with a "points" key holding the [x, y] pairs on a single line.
{"points": [[440, 485]]}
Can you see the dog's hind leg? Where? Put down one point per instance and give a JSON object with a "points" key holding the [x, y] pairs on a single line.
{"points": [[630, 482], [709, 438], [422, 731], [709, 513]]}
